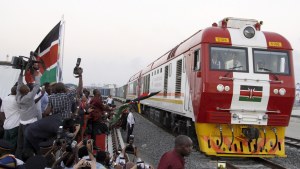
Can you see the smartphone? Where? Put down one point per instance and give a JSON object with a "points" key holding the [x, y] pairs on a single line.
{"points": [[122, 161], [73, 144], [78, 62], [141, 164]]}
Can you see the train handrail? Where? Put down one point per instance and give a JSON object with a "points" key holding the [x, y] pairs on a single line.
{"points": [[248, 110], [245, 79]]}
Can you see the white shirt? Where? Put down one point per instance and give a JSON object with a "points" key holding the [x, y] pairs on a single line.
{"points": [[109, 100], [130, 119], [25, 122], [233, 64], [38, 104], [11, 111]]}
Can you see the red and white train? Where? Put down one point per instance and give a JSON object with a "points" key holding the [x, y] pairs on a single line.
{"points": [[231, 85]]}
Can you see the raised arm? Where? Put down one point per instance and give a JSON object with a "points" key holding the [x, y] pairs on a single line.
{"points": [[80, 84], [20, 82], [36, 86]]}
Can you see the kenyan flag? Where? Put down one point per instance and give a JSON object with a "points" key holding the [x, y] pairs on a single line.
{"points": [[250, 93], [49, 52]]}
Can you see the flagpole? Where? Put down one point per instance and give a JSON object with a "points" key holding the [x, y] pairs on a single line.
{"points": [[62, 36]]}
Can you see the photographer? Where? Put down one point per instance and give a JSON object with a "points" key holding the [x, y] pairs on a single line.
{"points": [[60, 107], [130, 148], [27, 108], [88, 163]]}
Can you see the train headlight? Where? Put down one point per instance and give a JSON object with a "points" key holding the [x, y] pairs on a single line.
{"points": [[220, 87], [249, 32], [282, 91], [227, 88], [275, 91], [235, 116]]}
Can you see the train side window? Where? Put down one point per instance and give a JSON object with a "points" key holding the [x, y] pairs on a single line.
{"points": [[166, 81], [183, 65], [178, 79], [197, 59], [170, 69], [160, 70]]}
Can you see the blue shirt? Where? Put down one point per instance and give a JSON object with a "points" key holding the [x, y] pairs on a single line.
{"points": [[44, 102]]}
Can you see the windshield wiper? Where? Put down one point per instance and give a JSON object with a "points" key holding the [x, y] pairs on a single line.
{"points": [[270, 71], [235, 67]]}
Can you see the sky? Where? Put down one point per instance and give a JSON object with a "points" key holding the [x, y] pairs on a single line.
{"points": [[117, 38]]}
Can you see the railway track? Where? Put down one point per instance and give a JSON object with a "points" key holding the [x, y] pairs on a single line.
{"points": [[292, 142], [253, 163], [116, 143]]}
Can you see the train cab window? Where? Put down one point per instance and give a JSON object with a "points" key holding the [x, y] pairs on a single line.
{"points": [[224, 58], [197, 59], [271, 62]]}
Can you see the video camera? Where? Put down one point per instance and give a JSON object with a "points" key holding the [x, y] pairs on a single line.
{"points": [[77, 68], [62, 138], [19, 62]]}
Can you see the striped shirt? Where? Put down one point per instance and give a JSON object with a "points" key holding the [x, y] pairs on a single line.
{"points": [[62, 103]]}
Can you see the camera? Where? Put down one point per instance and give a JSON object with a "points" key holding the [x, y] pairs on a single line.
{"points": [[77, 68], [19, 62], [59, 132], [57, 142]]}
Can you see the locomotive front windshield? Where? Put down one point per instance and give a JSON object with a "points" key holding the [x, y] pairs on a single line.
{"points": [[232, 59], [271, 62]]}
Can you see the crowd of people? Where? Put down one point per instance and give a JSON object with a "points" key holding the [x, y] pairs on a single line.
{"points": [[51, 126]]}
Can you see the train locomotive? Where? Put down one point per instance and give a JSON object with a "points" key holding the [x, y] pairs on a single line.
{"points": [[230, 86]]}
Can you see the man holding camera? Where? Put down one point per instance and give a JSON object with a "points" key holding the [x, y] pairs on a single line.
{"points": [[27, 108], [60, 108]]}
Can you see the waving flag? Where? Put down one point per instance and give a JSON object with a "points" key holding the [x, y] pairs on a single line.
{"points": [[116, 120], [144, 96], [49, 52]]}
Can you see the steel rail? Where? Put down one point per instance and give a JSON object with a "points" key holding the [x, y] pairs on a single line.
{"points": [[292, 142], [259, 160]]}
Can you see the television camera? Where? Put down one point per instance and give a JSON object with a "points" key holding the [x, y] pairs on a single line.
{"points": [[27, 63]]}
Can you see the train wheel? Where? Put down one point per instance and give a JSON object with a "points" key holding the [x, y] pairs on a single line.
{"points": [[161, 117], [168, 120]]}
